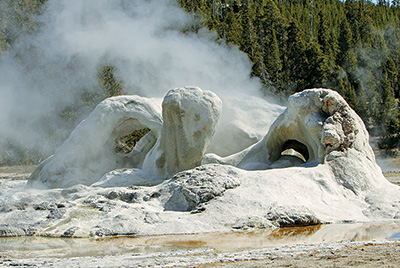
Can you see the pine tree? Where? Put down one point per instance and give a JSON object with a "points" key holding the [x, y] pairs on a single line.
{"points": [[319, 68], [361, 103], [272, 32], [296, 64], [111, 84], [324, 35], [233, 23], [389, 114], [249, 35], [251, 41], [392, 76], [347, 90], [345, 42]]}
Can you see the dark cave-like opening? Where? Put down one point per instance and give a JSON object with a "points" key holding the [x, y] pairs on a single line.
{"points": [[296, 149]]}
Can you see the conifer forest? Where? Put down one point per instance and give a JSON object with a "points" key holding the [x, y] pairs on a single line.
{"points": [[351, 46]]}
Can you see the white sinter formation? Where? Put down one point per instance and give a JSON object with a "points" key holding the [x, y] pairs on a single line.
{"points": [[314, 165], [190, 118], [317, 123], [177, 141], [89, 152]]}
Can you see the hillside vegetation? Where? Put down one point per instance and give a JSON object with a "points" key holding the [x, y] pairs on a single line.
{"points": [[350, 46]]}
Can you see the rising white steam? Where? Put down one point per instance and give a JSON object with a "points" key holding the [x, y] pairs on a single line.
{"points": [[47, 72]]}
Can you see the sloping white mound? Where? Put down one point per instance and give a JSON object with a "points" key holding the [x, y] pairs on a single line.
{"points": [[314, 165], [89, 151]]}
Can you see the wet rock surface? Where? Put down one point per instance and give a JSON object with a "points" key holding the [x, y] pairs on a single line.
{"points": [[289, 217]]}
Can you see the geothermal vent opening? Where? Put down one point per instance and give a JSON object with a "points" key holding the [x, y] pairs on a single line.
{"points": [[295, 148], [293, 144]]}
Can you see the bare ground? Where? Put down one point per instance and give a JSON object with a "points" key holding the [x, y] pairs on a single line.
{"points": [[381, 255]]}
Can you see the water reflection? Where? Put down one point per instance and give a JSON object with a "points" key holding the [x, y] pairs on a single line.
{"points": [[290, 232], [29, 247], [395, 236]]}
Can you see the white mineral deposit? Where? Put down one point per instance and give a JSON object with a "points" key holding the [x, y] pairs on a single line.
{"points": [[314, 165], [89, 153]]}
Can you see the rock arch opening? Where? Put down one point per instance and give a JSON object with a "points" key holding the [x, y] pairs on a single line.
{"points": [[127, 133], [125, 144], [296, 149]]}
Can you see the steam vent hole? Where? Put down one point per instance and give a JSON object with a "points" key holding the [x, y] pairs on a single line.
{"points": [[125, 144], [296, 149]]}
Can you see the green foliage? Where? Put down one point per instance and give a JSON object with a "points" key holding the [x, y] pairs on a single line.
{"points": [[18, 18], [351, 46], [4, 44], [111, 85], [12, 154], [125, 144]]}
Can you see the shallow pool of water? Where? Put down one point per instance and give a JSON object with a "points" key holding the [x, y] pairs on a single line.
{"points": [[34, 247]]}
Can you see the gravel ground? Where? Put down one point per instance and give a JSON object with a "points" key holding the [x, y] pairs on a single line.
{"points": [[393, 177], [380, 255], [17, 169], [16, 172]]}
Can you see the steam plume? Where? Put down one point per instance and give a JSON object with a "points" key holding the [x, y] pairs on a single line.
{"points": [[45, 73]]}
